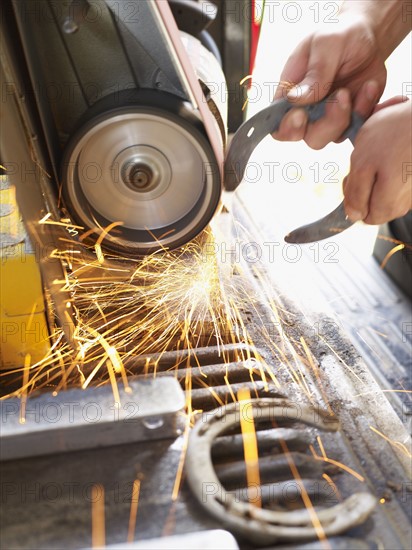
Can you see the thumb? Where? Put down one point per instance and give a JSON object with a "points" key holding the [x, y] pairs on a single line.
{"points": [[389, 102], [323, 64]]}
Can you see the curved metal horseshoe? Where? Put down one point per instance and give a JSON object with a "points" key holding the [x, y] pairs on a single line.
{"points": [[263, 526], [251, 133]]}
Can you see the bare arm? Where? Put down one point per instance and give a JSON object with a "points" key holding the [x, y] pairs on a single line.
{"points": [[390, 20]]}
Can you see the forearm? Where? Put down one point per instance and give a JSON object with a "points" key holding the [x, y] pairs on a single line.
{"points": [[391, 20]]}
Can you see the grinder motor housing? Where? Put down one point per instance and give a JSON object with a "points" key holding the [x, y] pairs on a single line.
{"points": [[120, 96], [108, 123]]}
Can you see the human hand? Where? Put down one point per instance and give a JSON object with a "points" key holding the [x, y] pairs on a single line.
{"points": [[378, 187], [346, 61]]}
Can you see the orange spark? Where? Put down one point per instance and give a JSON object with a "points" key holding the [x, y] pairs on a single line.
{"points": [[33, 310], [189, 412], [113, 382], [341, 360], [382, 391], [340, 465], [394, 443], [315, 370], [23, 400], [226, 379], [179, 473], [212, 391], [305, 497], [115, 362], [93, 373], [46, 220], [98, 519], [263, 375], [333, 485], [133, 510], [391, 253], [99, 253], [101, 238], [250, 446], [394, 241], [245, 79]]}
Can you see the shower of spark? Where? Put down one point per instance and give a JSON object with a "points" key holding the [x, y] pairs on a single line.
{"points": [[168, 301], [125, 309]]}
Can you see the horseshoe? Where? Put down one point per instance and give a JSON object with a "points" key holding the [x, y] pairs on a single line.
{"points": [[267, 121]]}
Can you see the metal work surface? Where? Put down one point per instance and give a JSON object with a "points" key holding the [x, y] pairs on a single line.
{"points": [[47, 501], [39, 492]]}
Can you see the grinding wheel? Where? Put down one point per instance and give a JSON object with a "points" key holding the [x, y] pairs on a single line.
{"points": [[143, 160]]}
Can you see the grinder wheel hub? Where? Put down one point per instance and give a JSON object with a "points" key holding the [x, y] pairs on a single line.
{"points": [[143, 169], [148, 168], [140, 177]]}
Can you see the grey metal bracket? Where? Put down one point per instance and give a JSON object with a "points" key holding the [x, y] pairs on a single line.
{"points": [[87, 419]]}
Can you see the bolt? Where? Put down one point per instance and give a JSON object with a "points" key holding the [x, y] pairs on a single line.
{"points": [[140, 176]]}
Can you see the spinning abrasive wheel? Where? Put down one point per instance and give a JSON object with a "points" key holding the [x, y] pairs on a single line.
{"points": [[146, 164]]}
